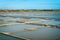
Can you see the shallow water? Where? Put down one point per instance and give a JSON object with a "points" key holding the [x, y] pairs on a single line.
{"points": [[16, 28]]}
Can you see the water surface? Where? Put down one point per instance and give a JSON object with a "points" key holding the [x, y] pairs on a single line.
{"points": [[49, 18]]}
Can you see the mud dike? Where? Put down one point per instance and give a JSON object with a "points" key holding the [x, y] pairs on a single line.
{"points": [[32, 23]]}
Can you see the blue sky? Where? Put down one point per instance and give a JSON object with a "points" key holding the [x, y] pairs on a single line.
{"points": [[30, 4]]}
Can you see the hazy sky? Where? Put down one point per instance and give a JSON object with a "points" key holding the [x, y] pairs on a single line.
{"points": [[29, 4]]}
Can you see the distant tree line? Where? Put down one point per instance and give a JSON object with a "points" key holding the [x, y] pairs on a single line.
{"points": [[34, 10]]}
